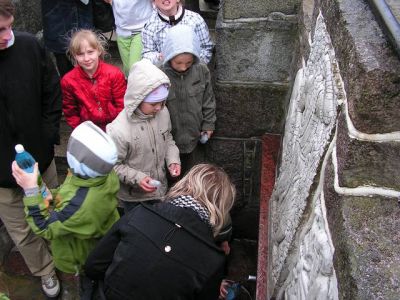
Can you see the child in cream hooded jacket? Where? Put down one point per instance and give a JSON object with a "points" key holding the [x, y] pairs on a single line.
{"points": [[144, 141]]}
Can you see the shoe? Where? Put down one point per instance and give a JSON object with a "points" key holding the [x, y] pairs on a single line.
{"points": [[51, 285]]}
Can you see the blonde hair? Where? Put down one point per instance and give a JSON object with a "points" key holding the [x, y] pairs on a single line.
{"points": [[212, 188], [97, 41]]}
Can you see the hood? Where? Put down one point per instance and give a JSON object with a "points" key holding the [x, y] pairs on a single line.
{"points": [[143, 78], [180, 39]]}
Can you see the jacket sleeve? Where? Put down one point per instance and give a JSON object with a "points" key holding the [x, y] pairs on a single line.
{"points": [[172, 151], [51, 99], [206, 44], [70, 105], [102, 256], [149, 46], [208, 108], [118, 87], [126, 174], [41, 220]]}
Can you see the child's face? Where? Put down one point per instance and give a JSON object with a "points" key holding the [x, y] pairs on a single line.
{"points": [[88, 57], [182, 62], [167, 7], [151, 108]]}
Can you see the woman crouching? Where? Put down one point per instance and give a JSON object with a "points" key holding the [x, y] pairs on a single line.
{"points": [[168, 250]]}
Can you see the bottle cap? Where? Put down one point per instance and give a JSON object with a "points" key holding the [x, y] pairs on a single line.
{"points": [[19, 148]]}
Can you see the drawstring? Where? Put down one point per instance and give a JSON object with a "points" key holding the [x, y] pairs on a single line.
{"points": [[168, 236]]}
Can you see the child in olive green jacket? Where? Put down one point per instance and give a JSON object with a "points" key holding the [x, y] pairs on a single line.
{"points": [[191, 100]]}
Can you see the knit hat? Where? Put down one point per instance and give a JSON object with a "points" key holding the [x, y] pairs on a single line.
{"points": [[157, 95], [90, 151]]}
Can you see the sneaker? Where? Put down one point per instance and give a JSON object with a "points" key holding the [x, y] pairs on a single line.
{"points": [[51, 285]]}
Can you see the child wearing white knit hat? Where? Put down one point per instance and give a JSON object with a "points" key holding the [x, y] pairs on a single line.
{"points": [[85, 205]]}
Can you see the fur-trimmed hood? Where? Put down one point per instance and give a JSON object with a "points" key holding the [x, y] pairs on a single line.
{"points": [[143, 78]]}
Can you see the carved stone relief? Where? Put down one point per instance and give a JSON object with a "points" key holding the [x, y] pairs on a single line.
{"points": [[310, 121]]}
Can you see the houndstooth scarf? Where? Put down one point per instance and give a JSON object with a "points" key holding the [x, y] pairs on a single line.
{"points": [[189, 202]]}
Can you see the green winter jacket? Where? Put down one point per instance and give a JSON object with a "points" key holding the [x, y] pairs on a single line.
{"points": [[85, 209]]}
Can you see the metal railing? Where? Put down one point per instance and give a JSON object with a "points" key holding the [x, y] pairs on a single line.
{"points": [[389, 22]]}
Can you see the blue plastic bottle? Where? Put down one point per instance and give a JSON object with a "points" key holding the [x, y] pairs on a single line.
{"points": [[27, 163], [233, 291]]}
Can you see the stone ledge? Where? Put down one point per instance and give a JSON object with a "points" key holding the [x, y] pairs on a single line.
{"points": [[365, 234], [369, 67], [234, 9], [366, 163], [256, 51]]}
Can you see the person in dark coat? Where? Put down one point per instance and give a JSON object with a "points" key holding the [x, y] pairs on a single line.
{"points": [[30, 112], [167, 250], [60, 18]]}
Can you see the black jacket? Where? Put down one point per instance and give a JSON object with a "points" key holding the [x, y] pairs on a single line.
{"points": [[30, 104], [158, 252], [60, 18]]}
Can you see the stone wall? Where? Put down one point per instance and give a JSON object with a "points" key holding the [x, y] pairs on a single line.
{"points": [[28, 15], [334, 210], [254, 54]]}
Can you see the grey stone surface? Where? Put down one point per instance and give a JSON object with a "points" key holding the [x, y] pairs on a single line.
{"points": [[365, 233], [369, 67], [249, 110], [241, 159], [28, 15], [260, 51], [234, 9], [366, 163]]}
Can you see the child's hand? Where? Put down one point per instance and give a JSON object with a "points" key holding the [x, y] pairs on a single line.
{"points": [[160, 57], [225, 247], [223, 289], [174, 170], [144, 184], [209, 133], [24, 179]]}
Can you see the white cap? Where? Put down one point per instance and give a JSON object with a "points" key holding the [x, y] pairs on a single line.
{"points": [[19, 148]]}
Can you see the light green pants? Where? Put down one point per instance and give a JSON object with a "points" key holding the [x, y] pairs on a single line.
{"points": [[130, 50]]}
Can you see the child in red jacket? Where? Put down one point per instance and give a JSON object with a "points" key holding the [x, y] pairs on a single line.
{"points": [[93, 90]]}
